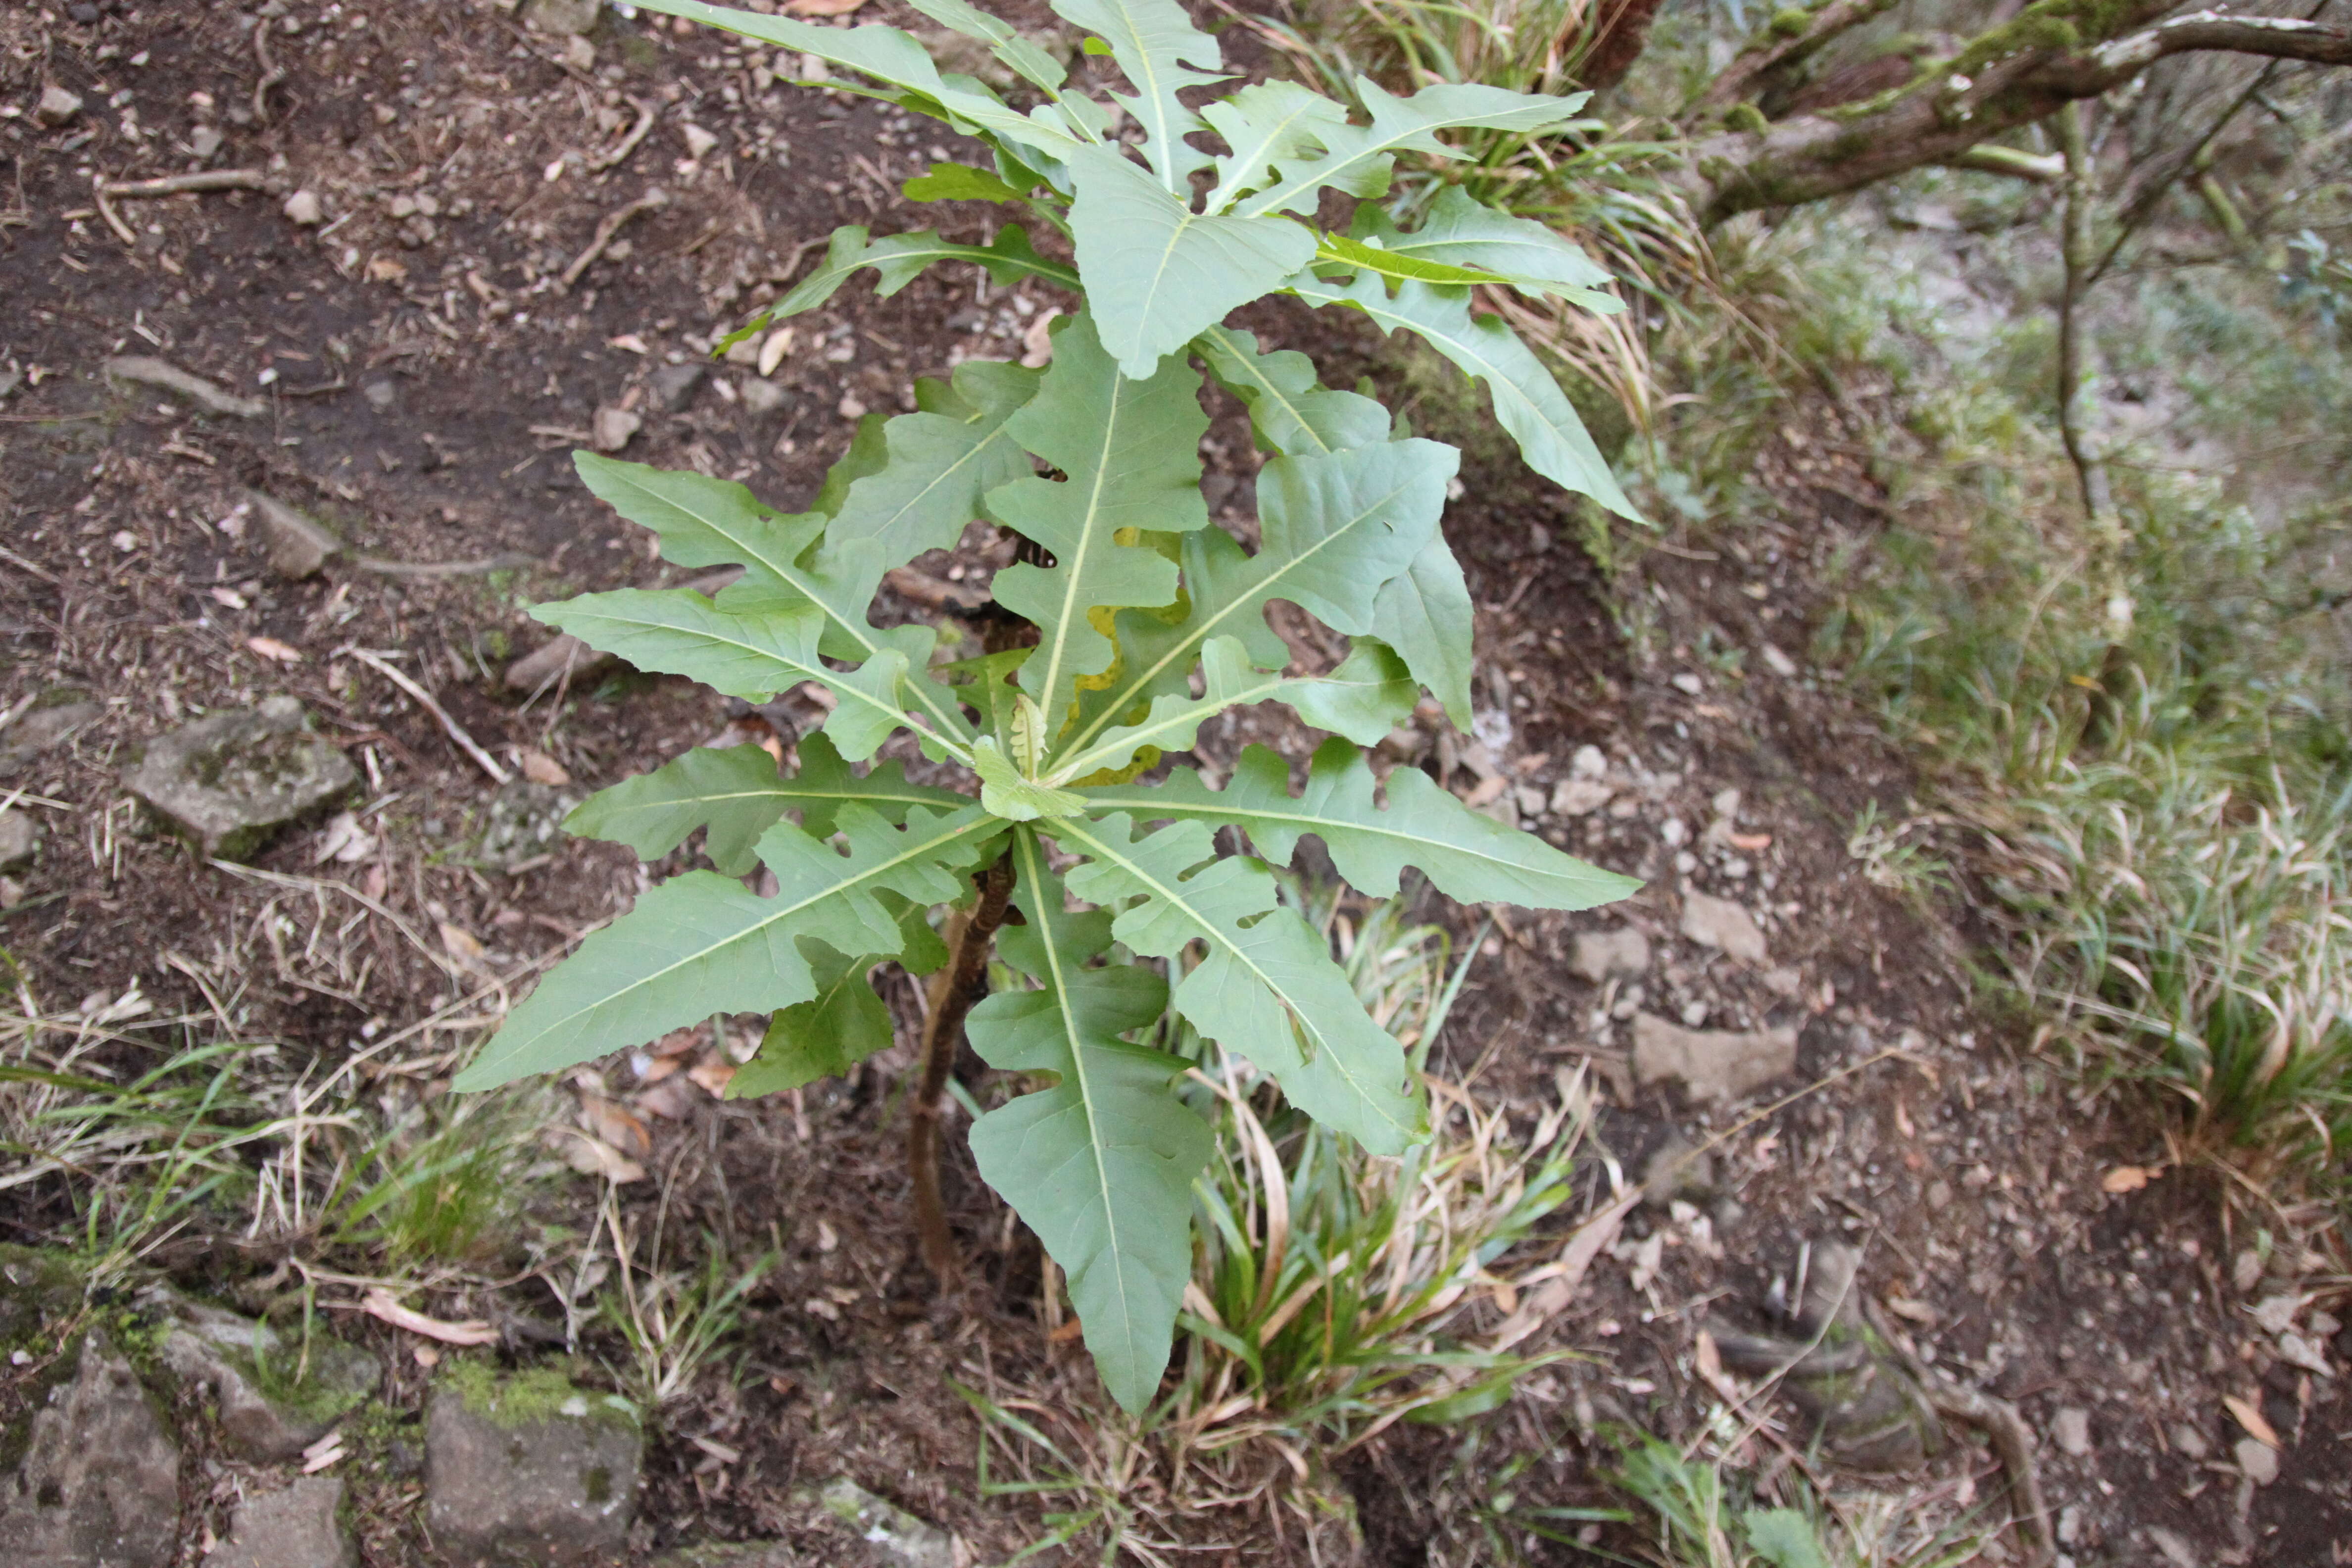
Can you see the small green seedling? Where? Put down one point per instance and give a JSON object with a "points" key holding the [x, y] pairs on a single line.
{"points": [[1149, 620]]}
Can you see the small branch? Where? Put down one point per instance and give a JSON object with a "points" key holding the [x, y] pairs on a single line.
{"points": [[962, 984], [2112, 64], [1993, 158], [204, 180], [628, 143], [1770, 52], [2073, 387], [271, 72], [651, 201], [154, 372], [113, 220], [1999, 1421], [456, 730]]}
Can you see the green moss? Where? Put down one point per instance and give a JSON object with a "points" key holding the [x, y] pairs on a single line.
{"points": [[1789, 22], [1746, 117], [529, 1399]]}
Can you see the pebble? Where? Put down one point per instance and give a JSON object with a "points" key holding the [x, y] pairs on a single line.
{"points": [[1603, 955], [2189, 1441], [204, 142], [760, 396], [1689, 685], [1578, 797], [303, 209], [19, 839], [57, 105], [699, 144], [672, 385], [1694, 1013], [614, 429], [1590, 763], [2257, 1460], [1720, 923], [2071, 1430], [381, 395], [1780, 663]]}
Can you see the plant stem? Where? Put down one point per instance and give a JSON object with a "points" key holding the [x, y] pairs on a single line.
{"points": [[2074, 384], [962, 983]]}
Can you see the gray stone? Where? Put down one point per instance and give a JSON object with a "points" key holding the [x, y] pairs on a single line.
{"points": [[294, 1527], [893, 1536], [265, 1415], [230, 781], [58, 106], [2071, 1430], [2191, 1441], [529, 1468], [297, 544], [1712, 1064], [760, 396], [2176, 1550], [1678, 1168], [1601, 955], [729, 1554], [381, 395], [525, 821], [1720, 923], [100, 1479], [52, 719], [612, 428], [2257, 1460], [565, 18], [204, 142], [674, 386], [1579, 797], [20, 839], [303, 209]]}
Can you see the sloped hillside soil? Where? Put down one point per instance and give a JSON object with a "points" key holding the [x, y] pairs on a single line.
{"points": [[408, 296]]}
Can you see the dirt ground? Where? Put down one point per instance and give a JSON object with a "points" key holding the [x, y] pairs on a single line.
{"points": [[427, 352]]}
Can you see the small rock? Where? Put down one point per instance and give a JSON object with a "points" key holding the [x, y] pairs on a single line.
{"points": [[1578, 797], [20, 837], [1602, 955], [100, 1478], [1689, 685], [265, 1416], [1939, 1195], [2188, 1440], [231, 781], [1590, 763], [892, 1536], [204, 142], [579, 53], [565, 18], [1720, 923], [1677, 1169], [699, 144], [760, 396], [2257, 1460], [2069, 1524], [381, 395], [2071, 1430], [58, 106], [1712, 1064], [2176, 1550], [297, 544], [1694, 1013], [524, 822], [1780, 663], [303, 209], [613, 428], [674, 386], [1783, 981], [530, 1468], [729, 1554], [52, 720], [294, 1527], [1674, 833]]}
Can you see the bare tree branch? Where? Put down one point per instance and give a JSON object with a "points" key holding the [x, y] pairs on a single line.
{"points": [[1809, 157], [1772, 50]]}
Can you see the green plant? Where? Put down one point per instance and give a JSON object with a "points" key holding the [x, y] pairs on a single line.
{"points": [[1130, 590]]}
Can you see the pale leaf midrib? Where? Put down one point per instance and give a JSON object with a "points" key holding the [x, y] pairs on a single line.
{"points": [[1031, 870], [1220, 938], [1258, 592], [837, 890], [1243, 816]]}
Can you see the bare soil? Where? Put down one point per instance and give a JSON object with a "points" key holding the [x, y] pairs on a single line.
{"points": [[426, 373]]}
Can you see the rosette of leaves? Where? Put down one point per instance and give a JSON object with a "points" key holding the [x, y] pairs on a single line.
{"points": [[1149, 621]]}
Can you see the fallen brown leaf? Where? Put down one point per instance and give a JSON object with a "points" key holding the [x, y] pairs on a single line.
{"points": [[2129, 1178], [270, 647], [1485, 790], [611, 1124], [2250, 1418], [542, 769], [379, 1303], [593, 1157], [713, 1077]]}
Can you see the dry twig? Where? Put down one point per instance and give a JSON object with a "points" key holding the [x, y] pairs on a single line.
{"points": [[651, 201], [174, 185], [628, 143], [424, 699]]}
